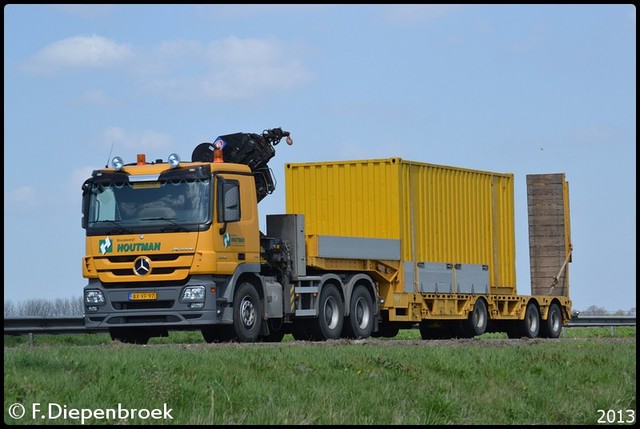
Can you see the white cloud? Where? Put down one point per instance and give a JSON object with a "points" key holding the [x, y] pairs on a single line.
{"points": [[71, 191], [80, 52], [409, 15], [94, 97], [232, 68], [146, 141], [24, 196], [83, 10]]}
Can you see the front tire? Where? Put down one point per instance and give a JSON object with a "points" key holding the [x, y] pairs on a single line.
{"points": [[247, 313]]}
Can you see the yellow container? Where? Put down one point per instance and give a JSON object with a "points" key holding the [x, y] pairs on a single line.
{"points": [[439, 213]]}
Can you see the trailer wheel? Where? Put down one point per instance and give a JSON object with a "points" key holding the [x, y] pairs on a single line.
{"points": [[359, 324], [478, 319], [330, 314], [552, 327], [247, 313], [530, 326]]}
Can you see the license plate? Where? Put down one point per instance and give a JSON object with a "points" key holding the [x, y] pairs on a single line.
{"points": [[143, 296]]}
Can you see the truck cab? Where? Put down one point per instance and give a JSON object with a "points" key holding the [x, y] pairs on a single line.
{"points": [[163, 240]]}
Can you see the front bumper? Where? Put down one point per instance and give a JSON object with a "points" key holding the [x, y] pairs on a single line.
{"points": [[119, 310]]}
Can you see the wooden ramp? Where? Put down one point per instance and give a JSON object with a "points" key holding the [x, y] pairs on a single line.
{"points": [[549, 234]]}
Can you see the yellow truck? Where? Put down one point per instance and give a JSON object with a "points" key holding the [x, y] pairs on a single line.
{"points": [[366, 248]]}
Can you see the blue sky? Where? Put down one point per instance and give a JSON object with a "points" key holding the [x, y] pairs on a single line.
{"points": [[508, 88]]}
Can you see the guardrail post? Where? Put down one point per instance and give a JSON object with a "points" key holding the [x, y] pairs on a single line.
{"points": [[30, 339]]}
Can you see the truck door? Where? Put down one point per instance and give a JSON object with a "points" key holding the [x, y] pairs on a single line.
{"points": [[236, 237]]}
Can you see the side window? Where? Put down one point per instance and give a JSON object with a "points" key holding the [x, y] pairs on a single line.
{"points": [[228, 200]]}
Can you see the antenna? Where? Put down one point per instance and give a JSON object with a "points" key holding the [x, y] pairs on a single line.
{"points": [[109, 157]]}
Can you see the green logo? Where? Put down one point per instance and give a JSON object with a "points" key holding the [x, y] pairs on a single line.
{"points": [[106, 245], [226, 239]]}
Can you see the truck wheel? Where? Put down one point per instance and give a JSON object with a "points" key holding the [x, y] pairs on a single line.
{"points": [[247, 313], [552, 327], [330, 314], [129, 335], [359, 324], [530, 326], [476, 324]]}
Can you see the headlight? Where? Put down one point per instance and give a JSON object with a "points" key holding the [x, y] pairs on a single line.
{"points": [[93, 296], [192, 294]]}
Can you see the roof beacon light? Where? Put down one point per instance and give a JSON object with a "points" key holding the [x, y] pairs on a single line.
{"points": [[217, 151], [174, 160], [117, 163], [142, 159]]}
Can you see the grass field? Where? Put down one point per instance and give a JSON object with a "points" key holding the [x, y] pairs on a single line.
{"points": [[585, 377]]}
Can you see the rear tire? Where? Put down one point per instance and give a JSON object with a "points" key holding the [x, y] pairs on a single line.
{"points": [[552, 327], [359, 323], [328, 325], [478, 319], [530, 326]]}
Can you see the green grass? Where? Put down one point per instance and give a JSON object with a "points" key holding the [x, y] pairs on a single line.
{"points": [[482, 381], [194, 337]]}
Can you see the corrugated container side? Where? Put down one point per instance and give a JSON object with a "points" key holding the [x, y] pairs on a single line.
{"points": [[345, 198], [440, 213]]}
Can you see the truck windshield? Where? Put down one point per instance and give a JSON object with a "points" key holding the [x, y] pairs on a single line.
{"points": [[158, 205]]}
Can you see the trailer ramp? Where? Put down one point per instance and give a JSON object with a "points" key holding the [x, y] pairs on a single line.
{"points": [[549, 234]]}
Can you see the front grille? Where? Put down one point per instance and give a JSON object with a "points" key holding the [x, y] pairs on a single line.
{"points": [[123, 320], [138, 285], [153, 257], [130, 272], [142, 305]]}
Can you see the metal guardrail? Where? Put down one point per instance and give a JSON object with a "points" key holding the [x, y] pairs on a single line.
{"points": [[75, 325], [47, 325], [595, 321]]}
